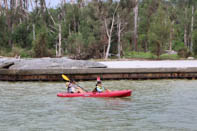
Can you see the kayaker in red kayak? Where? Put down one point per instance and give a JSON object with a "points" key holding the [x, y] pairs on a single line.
{"points": [[72, 87], [99, 88]]}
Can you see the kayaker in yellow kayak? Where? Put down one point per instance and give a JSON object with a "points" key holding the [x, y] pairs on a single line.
{"points": [[72, 87]]}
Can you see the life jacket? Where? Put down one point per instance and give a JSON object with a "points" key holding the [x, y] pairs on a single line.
{"points": [[72, 88], [100, 88]]}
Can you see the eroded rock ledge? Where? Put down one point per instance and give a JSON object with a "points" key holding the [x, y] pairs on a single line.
{"points": [[47, 63]]}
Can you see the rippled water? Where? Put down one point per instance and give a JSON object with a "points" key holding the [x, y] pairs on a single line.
{"points": [[154, 105]]}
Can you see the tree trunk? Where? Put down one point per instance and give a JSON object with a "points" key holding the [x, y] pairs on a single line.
{"points": [[119, 35], [185, 29], [10, 29], [109, 31], [16, 5], [60, 41], [171, 36], [21, 5], [135, 10], [185, 36], [56, 49], [104, 50], [109, 38], [63, 9], [119, 44], [8, 21], [170, 43], [34, 34], [109, 35], [69, 29], [6, 4], [192, 28], [158, 50], [108, 48], [146, 46]]}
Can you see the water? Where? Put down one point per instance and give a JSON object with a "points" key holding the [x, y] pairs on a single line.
{"points": [[154, 105]]}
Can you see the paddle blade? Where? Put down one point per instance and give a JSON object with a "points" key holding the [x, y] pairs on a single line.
{"points": [[65, 77]]}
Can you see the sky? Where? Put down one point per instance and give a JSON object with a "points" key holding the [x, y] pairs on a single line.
{"points": [[53, 3]]}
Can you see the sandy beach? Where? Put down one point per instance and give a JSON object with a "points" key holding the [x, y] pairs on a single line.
{"points": [[151, 64]]}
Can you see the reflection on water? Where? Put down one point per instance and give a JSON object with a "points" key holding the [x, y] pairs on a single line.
{"points": [[154, 105]]}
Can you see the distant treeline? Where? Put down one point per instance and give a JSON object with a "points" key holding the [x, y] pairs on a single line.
{"points": [[85, 29]]}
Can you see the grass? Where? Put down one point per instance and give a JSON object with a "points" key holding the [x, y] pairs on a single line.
{"points": [[169, 57], [140, 55], [149, 55], [24, 53]]}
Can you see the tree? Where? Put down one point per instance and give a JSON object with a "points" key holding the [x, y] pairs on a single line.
{"points": [[40, 46], [147, 10], [122, 21], [94, 29], [109, 20], [159, 30], [195, 42], [135, 34]]}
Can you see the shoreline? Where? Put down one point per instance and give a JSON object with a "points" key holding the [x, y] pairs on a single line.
{"points": [[107, 70], [151, 64]]}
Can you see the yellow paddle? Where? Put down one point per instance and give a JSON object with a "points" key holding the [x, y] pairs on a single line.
{"points": [[65, 77]]}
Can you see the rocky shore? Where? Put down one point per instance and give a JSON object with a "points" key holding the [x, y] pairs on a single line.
{"points": [[47, 63]]}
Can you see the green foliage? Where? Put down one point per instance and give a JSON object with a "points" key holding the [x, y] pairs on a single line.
{"points": [[149, 55], [140, 55], [4, 35], [40, 47], [22, 36], [159, 31], [169, 57], [178, 45], [3, 52], [184, 53], [18, 51], [75, 43], [84, 34], [195, 42]]}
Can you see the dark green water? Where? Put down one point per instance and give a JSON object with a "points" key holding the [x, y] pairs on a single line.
{"points": [[168, 105]]}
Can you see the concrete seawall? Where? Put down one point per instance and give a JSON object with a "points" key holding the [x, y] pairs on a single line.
{"points": [[92, 73], [51, 69]]}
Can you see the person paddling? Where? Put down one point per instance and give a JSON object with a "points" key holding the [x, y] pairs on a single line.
{"points": [[99, 88], [72, 87]]}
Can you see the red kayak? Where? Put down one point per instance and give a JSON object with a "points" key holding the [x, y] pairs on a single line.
{"points": [[122, 93]]}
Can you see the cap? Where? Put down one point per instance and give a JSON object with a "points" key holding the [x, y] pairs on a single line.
{"points": [[98, 78]]}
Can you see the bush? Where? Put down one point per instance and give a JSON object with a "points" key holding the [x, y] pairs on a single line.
{"points": [[169, 56], [22, 36], [194, 37], [184, 53], [17, 51], [178, 45], [141, 55], [3, 52], [40, 48]]}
